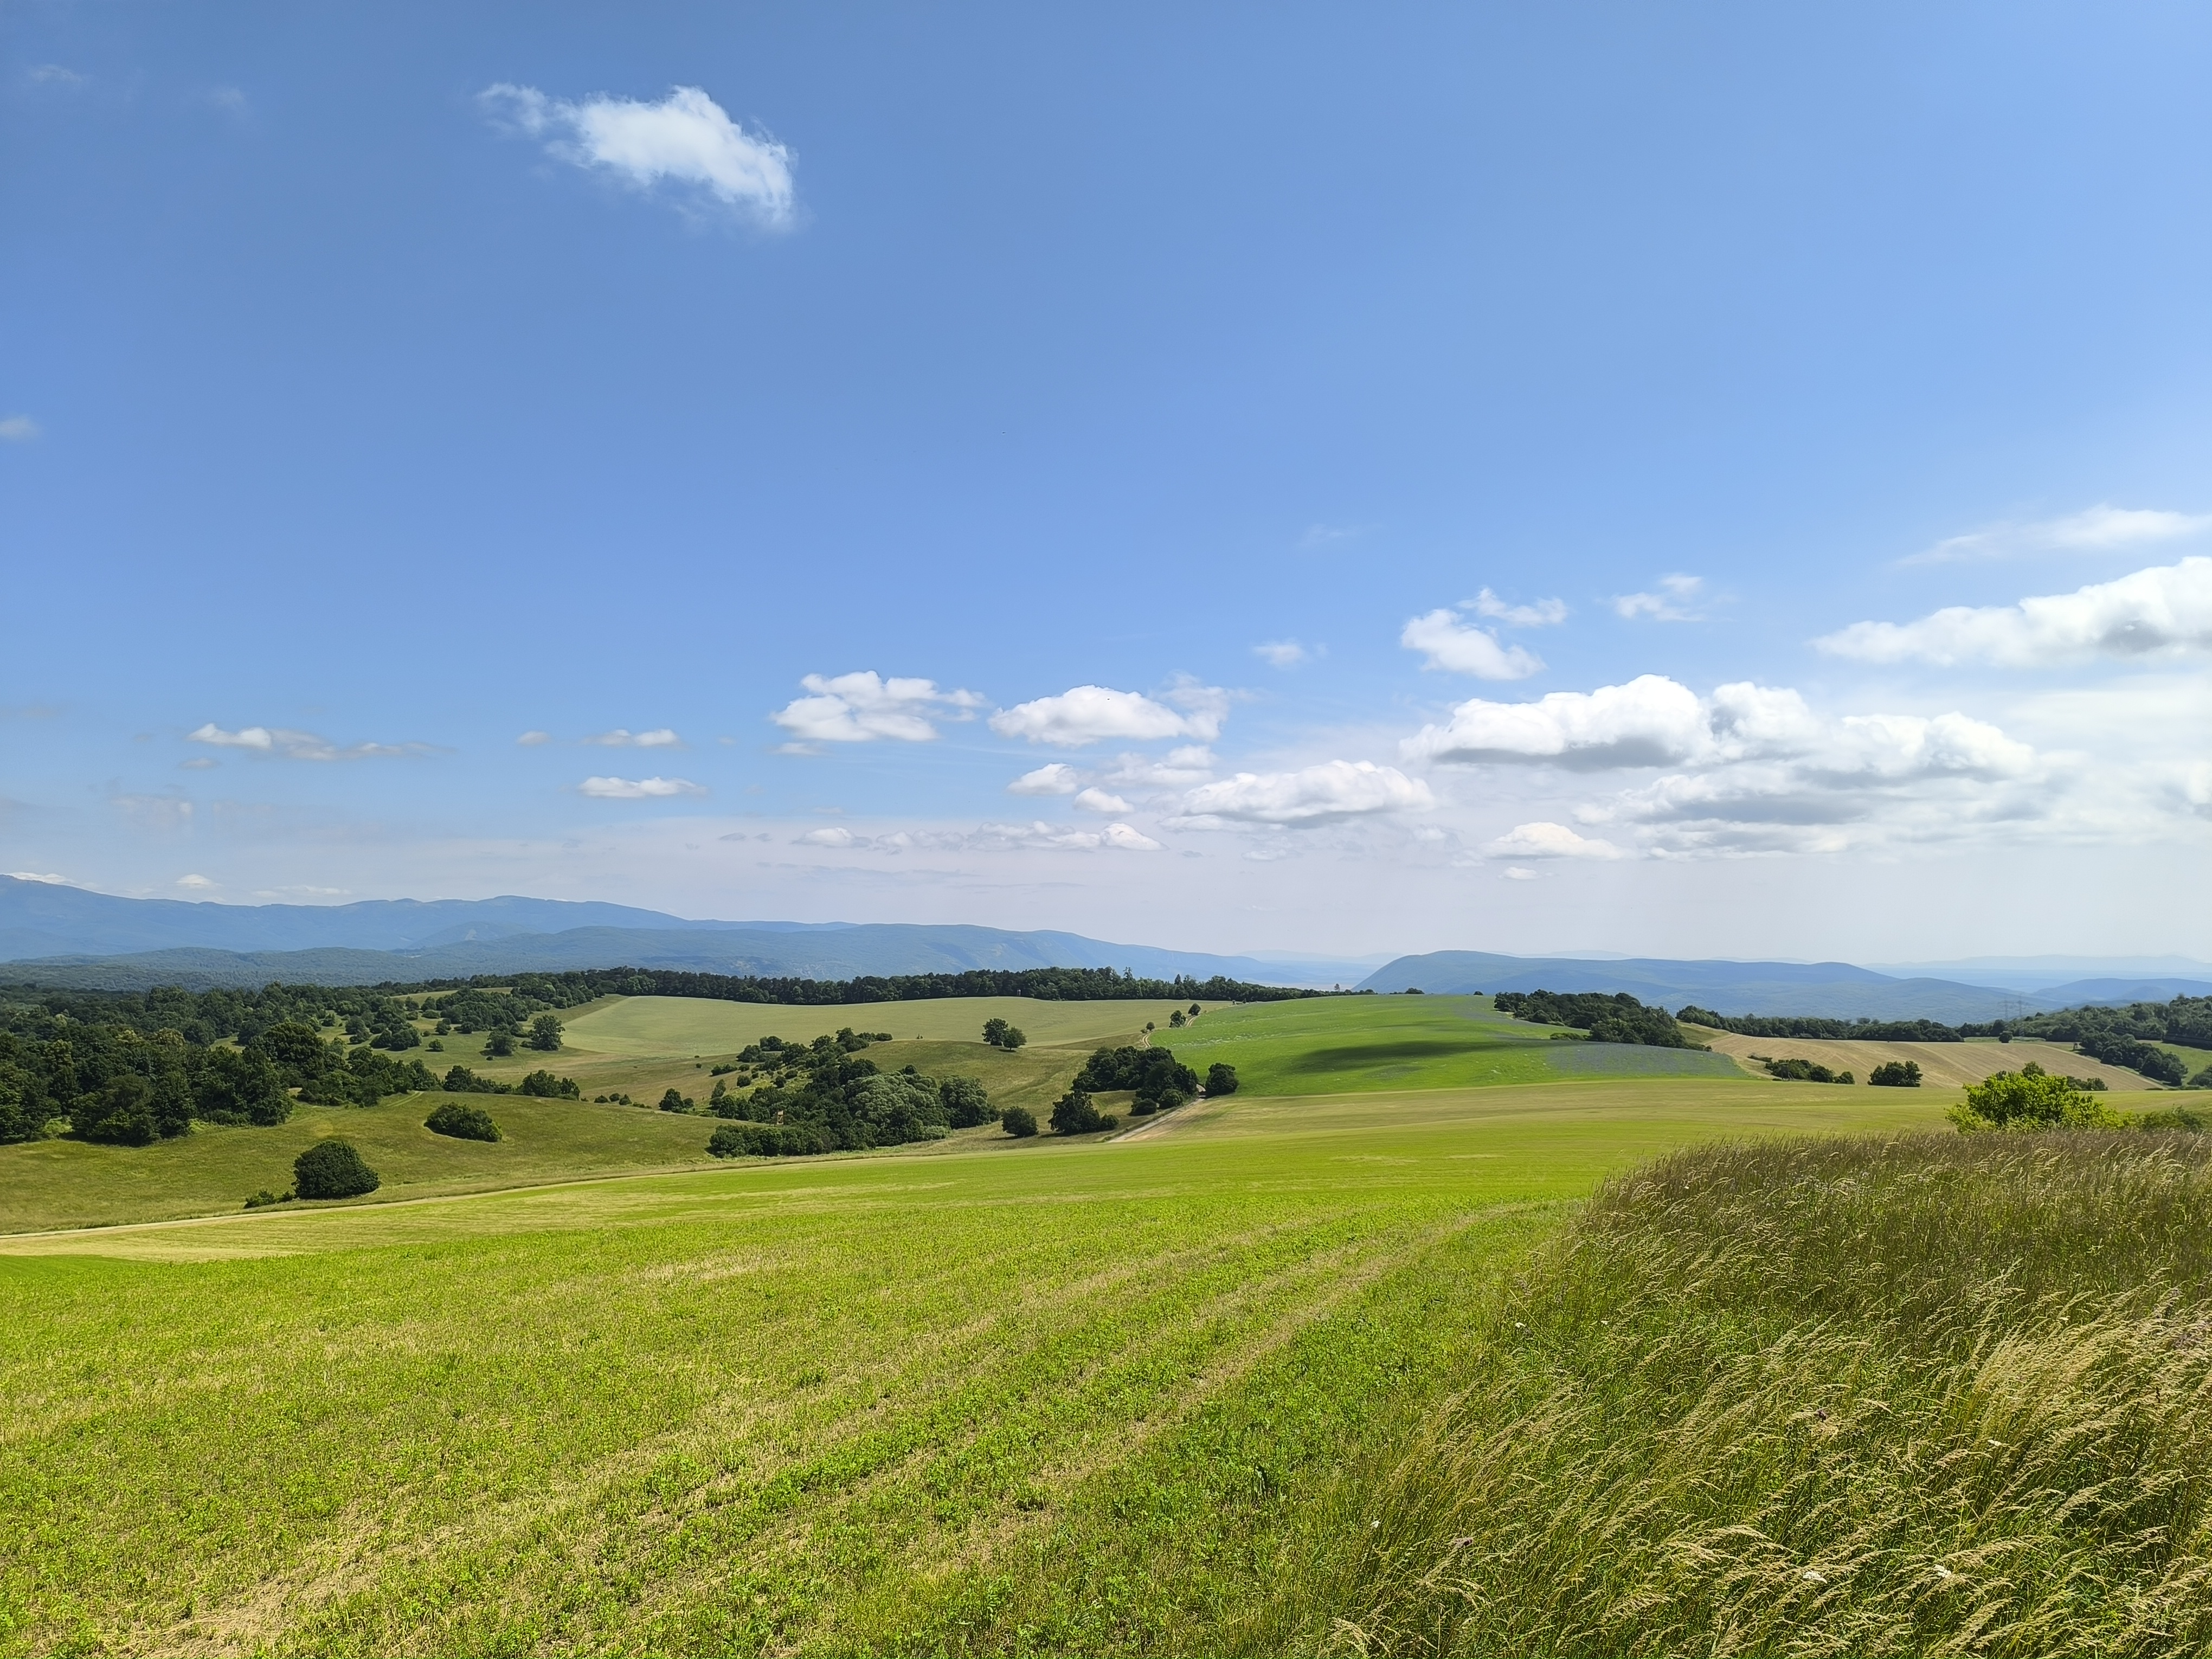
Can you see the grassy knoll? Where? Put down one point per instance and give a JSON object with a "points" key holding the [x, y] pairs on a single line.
{"points": [[1928, 1395], [1051, 1396], [1341, 1044]]}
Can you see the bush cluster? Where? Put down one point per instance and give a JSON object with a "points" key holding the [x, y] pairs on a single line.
{"points": [[824, 1096], [1619, 1017], [1159, 1080], [462, 1122], [333, 1169]]}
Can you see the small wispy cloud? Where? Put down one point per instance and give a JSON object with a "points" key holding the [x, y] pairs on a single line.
{"points": [[1672, 602], [1054, 778], [686, 140], [1281, 653], [280, 743], [2103, 528], [52, 75], [33, 875], [532, 739], [661, 737], [196, 883], [1551, 841], [19, 430], [1542, 613], [638, 789]]}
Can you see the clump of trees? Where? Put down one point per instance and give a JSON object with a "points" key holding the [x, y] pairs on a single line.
{"points": [[333, 1169], [1000, 1035], [2030, 1098], [1813, 1029], [1159, 1081], [1220, 1080], [1619, 1017], [1806, 1071], [461, 1122], [1895, 1074], [824, 1096], [1073, 1114]]}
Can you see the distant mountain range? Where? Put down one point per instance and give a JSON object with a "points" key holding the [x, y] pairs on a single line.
{"points": [[66, 937]]}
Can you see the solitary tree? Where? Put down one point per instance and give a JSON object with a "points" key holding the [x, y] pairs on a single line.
{"points": [[1020, 1121], [545, 1032], [333, 1169]]}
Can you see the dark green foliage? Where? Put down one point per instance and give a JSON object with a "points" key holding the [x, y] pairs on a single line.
{"points": [[745, 1139], [1177, 1019], [239, 1086], [499, 1045], [296, 1050], [1809, 1029], [674, 1101], [1896, 1074], [22, 1116], [1616, 1019], [2116, 1049], [1000, 1035], [1019, 1121], [460, 1080], [2182, 1118], [967, 1106], [543, 1085], [333, 1169], [1072, 1113], [367, 1077], [1150, 1071], [546, 1033], [1806, 1071], [1220, 1080], [461, 1122]]}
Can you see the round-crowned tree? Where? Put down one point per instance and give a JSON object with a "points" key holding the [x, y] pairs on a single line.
{"points": [[1020, 1122], [333, 1169], [462, 1122]]}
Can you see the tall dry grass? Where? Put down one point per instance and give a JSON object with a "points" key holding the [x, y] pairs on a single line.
{"points": [[1945, 1394]]}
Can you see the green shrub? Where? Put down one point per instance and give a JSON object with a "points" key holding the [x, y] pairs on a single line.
{"points": [[2030, 1098], [2176, 1117], [1072, 1113], [545, 1086], [1895, 1074], [967, 1104], [1019, 1121], [1220, 1080], [672, 1100], [333, 1169], [462, 1122]]}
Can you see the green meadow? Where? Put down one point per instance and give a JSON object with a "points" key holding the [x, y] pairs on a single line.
{"points": [[1127, 1394]]}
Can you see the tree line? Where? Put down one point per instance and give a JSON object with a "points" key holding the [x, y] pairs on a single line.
{"points": [[1617, 1018]]}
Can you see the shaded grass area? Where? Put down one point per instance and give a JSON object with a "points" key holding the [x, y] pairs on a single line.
{"points": [[1920, 1394], [1344, 1043]]}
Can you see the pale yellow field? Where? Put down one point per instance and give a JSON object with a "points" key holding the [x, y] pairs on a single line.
{"points": [[1950, 1065], [642, 1027]]}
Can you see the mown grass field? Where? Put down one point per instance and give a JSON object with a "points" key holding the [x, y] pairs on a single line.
{"points": [[1945, 1065], [979, 1395]]}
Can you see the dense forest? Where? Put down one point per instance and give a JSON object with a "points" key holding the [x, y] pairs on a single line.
{"points": [[1812, 1027], [1044, 984], [1616, 1019], [825, 1096]]}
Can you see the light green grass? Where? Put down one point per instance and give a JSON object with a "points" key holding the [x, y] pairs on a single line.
{"points": [[1340, 1044], [653, 1027], [1048, 1396]]}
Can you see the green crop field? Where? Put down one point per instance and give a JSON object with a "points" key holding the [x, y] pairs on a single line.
{"points": [[980, 1394]]}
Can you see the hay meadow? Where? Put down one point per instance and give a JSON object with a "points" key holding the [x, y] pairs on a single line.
{"points": [[1350, 1360]]}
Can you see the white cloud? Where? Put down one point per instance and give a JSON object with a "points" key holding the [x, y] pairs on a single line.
{"points": [[1650, 721], [196, 883], [2162, 611], [1280, 653], [637, 789], [1115, 837], [1178, 769], [833, 836], [52, 75], [1327, 793], [1515, 873], [1097, 800], [2196, 790], [33, 875], [1551, 841], [862, 707], [1053, 778], [686, 139], [1544, 613], [661, 737], [2103, 528], [18, 429], [1451, 645], [532, 739], [1093, 713], [277, 741], [1671, 604]]}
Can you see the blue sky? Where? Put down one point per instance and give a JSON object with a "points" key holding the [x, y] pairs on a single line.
{"points": [[1469, 454]]}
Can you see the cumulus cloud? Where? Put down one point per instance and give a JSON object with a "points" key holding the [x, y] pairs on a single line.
{"points": [[1115, 837], [1095, 714], [864, 707], [1451, 645], [1053, 778], [1327, 793], [1544, 613], [830, 836], [2166, 610], [619, 739], [18, 429], [1650, 721], [1551, 841], [2103, 528], [637, 789], [280, 742], [1280, 653], [1097, 800], [686, 140], [1672, 602]]}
